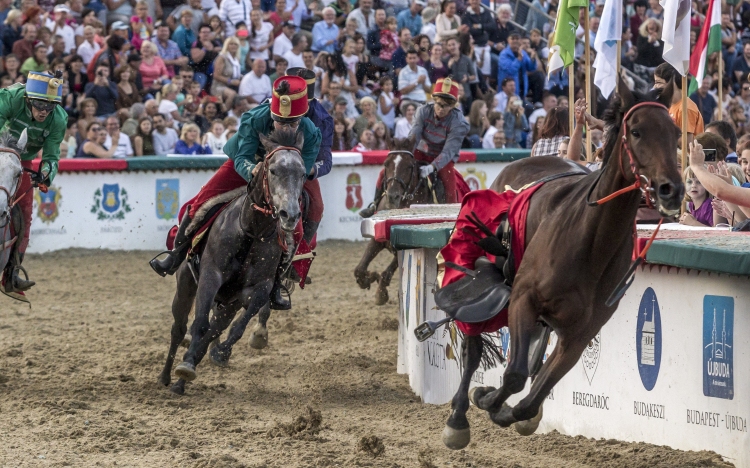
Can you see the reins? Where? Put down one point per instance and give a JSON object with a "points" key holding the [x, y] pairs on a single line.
{"points": [[13, 200], [409, 195], [641, 182]]}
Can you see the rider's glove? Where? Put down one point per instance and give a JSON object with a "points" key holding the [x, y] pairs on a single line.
{"points": [[425, 171]]}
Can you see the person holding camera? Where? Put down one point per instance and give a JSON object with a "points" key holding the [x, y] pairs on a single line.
{"points": [[516, 123], [515, 63], [103, 91], [33, 108]]}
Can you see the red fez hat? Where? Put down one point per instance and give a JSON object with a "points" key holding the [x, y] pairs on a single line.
{"points": [[289, 101], [447, 88], [309, 77]]}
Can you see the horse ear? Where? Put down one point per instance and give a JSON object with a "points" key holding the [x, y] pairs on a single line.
{"points": [[267, 143], [21, 144], [300, 141], [625, 96], [665, 96]]}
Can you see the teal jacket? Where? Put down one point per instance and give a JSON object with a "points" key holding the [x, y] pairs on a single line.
{"points": [[46, 136], [246, 150]]}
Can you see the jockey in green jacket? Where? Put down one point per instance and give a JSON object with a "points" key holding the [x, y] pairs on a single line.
{"points": [[33, 107]]}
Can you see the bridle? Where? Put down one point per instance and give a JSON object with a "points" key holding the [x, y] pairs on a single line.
{"points": [[408, 194], [641, 182], [265, 205], [12, 200]]}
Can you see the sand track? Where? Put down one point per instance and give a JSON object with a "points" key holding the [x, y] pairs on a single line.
{"points": [[78, 383]]}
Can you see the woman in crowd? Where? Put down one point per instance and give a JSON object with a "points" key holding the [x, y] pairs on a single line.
{"points": [[215, 139], [369, 115], [536, 131], [346, 33], [436, 67], [208, 112], [448, 23], [405, 123], [75, 75], [143, 144], [127, 95], [153, 71], [11, 31], [422, 45], [496, 123], [188, 142], [260, 37], [93, 145], [428, 23], [342, 136], [554, 131], [382, 136], [461, 68], [478, 123], [387, 102], [86, 115], [12, 68], [650, 47], [515, 123], [217, 28], [339, 73], [227, 71], [37, 62]]}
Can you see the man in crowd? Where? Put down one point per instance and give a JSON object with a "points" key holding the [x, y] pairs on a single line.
{"points": [[398, 61], [705, 102], [232, 12], [364, 16], [184, 36], [256, 86], [549, 102], [24, 48], [283, 43], [89, 47], [103, 91], [413, 80], [164, 138], [412, 18], [725, 130], [169, 51], [59, 27], [294, 57], [373, 37], [325, 33], [515, 63], [198, 16], [666, 77], [117, 138]]}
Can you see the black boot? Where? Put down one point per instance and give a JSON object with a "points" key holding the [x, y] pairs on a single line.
{"points": [[279, 300], [15, 282], [372, 208], [309, 228], [175, 257]]}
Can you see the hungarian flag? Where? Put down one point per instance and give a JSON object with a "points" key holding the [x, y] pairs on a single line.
{"points": [[562, 49], [709, 41]]}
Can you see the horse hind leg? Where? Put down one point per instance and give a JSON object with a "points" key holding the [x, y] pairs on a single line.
{"points": [[381, 296], [181, 305], [259, 335], [366, 278], [456, 434], [221, 353]]}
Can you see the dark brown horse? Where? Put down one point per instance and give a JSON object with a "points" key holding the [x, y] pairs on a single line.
{"points": [[402, 188], [576, 254]]}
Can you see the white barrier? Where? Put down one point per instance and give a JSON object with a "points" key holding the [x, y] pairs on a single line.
{"points": [[135, 209], [670, 367]]}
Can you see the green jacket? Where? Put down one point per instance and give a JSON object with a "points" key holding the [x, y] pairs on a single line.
{"points": [[47, 135], [246, 150]]}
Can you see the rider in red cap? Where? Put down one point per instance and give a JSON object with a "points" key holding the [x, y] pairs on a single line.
{"points": [[287, 108], [438, 132]]}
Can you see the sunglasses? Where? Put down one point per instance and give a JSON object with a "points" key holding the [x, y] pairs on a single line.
{"points": [[442, 105], [44, 106], [95, 129], [746, 88]]}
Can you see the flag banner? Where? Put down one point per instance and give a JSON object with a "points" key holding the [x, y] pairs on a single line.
{"points": [[605, 44], [562, 49], [676, 34]]}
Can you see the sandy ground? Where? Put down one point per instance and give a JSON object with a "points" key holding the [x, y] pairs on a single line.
{"points": [[78, 384]]}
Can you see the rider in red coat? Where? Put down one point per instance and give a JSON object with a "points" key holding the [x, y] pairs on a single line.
{"points": [[438, 132]]}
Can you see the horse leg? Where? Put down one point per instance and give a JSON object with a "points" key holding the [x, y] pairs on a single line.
{"points": [[364, 277], [217, 353], [221, 353], [181, 305], [522, 322], [259, 335], [381, 296], [456, 434], [208, 286]]}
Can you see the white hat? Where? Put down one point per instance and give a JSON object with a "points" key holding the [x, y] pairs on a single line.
{"points": [[421, 3], [61, 8], [119, 26]]}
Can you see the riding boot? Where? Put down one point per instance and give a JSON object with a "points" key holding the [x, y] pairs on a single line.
{"points": [[309, 229], [280, 301], [372, 207], [15, 282], [175, 257]]}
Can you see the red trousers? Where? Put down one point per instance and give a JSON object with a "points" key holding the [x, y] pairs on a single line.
{"points": [[447, 175], [26, 204], [226, 179]]}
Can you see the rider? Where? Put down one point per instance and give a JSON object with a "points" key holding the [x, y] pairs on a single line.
{"points": [[438, 132], [323, 120], [32, 107], [287, 108]]}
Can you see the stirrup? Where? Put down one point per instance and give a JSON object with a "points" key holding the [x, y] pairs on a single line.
{"points": [[14, 276]]}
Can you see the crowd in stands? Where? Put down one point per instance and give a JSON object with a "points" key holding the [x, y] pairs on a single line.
{"points": [[156, 77]]}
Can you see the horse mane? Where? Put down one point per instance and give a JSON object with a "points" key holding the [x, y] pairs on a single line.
{"points": [[284, 136], [613, 119], [402, 144], [8, 141]]}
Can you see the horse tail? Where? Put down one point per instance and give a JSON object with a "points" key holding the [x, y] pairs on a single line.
{"points": [[491, 350]]}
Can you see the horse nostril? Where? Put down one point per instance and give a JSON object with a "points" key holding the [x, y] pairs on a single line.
{"points": [[283, 214], [667, 190]]}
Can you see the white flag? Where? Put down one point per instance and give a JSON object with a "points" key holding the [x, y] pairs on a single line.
{"points": [[605, 44], [676, 34]]}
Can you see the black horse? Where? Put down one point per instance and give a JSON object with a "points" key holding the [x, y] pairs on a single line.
{"points": [[241, 255]]}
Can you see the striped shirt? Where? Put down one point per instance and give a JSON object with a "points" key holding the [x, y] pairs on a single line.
{"points": [[547, 146], [232, 12]]}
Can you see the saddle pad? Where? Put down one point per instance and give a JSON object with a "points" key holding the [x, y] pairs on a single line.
{"points": [[488, 206]]}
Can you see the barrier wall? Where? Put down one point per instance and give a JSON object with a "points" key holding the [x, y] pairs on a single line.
{"points": [[670, 367], [131, 204]]}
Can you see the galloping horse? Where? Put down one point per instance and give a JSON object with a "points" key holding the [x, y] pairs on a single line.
{"points": [[402, 188], [10, 180], [579, 245], [243, 250]]}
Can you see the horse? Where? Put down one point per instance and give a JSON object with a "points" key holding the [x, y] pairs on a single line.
{"points": [[402, 188], [10, 180], [242, 252], [577, 251]]}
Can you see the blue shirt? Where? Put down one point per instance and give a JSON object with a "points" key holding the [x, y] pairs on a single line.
{"points": [[182, 148], [321, 34], [171, 52], [406, 20], [184, 39], [323, 120]]}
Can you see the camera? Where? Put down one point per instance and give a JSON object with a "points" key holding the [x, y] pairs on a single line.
{"points": [[100, 73], [710, 155]]}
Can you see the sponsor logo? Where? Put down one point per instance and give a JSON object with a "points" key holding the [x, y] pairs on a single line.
{"points": [[476, 180], [718, 351], [167, 198], [353, 192], [648, 339], [648, 410], [110, 202], [590, 356], [48, 204]]}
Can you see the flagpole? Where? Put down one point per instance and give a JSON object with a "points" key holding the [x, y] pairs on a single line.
{"points": [[685, 148], [571, 97], [721, 87], [587, 36], [619, 54]]}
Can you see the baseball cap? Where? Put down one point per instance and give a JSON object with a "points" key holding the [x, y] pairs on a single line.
{"points": [[119, 26], [421, 3], [61, 8], [288, 23]]}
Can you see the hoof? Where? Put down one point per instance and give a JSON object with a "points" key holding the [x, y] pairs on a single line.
{"points": [[165, 379], [528, 427], [381, 296], [218, 357], [504, 417], [185, 343], [477, 393], [456, 439], [178, 388], [186, 371], [259, 337]]}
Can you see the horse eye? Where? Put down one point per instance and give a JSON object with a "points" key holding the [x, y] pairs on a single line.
{"points": [[272, 171], [635, 133]]}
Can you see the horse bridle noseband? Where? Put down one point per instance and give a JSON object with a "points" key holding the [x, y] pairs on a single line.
{"points": [[641, 181], [408, 195]]}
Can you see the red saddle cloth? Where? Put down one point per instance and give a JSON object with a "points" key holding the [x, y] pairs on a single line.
{"points": [[302, 267], [488, 206]]}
